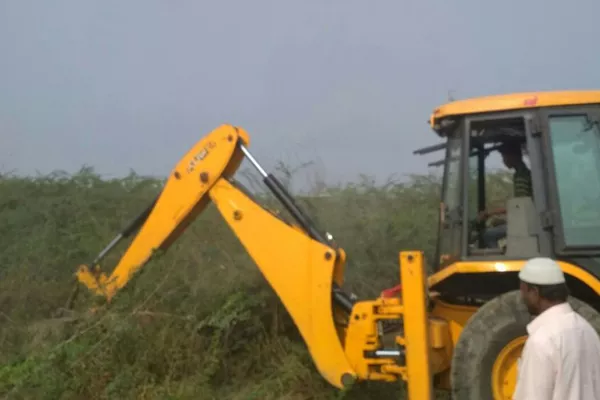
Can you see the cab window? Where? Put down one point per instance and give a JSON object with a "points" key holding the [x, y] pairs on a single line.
{"points": [[450, 209], [575, 142]]}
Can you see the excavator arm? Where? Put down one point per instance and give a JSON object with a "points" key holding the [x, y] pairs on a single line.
{"points": [[303, 265]]}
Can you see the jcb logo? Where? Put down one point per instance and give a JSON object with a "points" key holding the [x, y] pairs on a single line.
{"points": [[201, 155]]}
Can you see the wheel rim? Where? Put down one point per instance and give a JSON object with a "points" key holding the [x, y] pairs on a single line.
{"points": [[504, 371]]}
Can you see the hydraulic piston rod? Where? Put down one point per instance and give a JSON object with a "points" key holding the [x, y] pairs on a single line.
{"points": [[341, 298]]}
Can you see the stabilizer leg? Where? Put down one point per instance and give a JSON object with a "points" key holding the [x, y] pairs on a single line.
{"points": [[416, 325]]}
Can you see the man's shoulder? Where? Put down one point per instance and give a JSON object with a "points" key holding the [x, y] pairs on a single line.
{"points": [[564, 325], [541, 338]]}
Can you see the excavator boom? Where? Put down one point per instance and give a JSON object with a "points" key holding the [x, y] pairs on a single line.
{"points": [[303, 266]]}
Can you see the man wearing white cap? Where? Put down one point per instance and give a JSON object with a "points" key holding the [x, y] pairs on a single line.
{"points": [[561, 358]]}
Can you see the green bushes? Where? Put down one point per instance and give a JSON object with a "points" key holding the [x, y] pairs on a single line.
{"points": [[199, 321]]}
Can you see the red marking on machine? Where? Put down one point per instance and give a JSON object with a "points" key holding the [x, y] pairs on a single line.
{"points": [[391, 292], [530, 102]]}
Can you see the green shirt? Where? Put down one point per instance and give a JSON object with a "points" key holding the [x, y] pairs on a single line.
{"points": [[522, 182]]}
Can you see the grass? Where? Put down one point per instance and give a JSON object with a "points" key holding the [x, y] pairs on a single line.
{"points": [[199, 322]]}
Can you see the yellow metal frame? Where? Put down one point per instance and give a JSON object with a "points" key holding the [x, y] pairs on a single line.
{"points": [[416, 322], [455, 317], [425, 341], [514, 101], [362, 336], [483, 267]]}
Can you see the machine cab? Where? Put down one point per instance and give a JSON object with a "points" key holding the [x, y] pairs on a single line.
{"points": [[546, 200]]}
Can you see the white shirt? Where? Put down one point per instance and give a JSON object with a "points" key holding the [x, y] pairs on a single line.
{"points": [[561, 358]]}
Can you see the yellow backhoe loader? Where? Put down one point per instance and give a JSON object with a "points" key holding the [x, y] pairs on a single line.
{"points": [[460, 328]]}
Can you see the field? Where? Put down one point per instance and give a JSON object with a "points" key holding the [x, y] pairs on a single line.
{"points": [[199, 322]]}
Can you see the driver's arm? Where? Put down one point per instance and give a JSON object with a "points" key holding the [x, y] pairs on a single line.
{"points": [[485, 214], [497, 211]]}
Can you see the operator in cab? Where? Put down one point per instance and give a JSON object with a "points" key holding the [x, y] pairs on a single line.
{"points": [[512, 157], [561, 357]]}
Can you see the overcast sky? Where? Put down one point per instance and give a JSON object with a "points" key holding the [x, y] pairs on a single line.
{"points": [[123, 85]]}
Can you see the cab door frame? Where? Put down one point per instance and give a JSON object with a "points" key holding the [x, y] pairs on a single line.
{"points": [[532, 131], [554, 218], [451, 216]]}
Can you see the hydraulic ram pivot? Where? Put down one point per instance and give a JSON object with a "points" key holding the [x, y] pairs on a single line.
{"points": [[303, 266]]}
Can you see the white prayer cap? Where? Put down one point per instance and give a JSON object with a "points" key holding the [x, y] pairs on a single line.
{"points": [[542, 271]]}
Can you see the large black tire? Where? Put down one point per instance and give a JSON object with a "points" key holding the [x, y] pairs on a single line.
{"points": [[487, 332]]}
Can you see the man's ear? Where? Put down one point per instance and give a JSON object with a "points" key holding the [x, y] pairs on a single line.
{"points": [[535, 291]]}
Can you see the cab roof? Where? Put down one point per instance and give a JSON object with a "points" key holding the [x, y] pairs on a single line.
{"points": [[505, 102]]}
